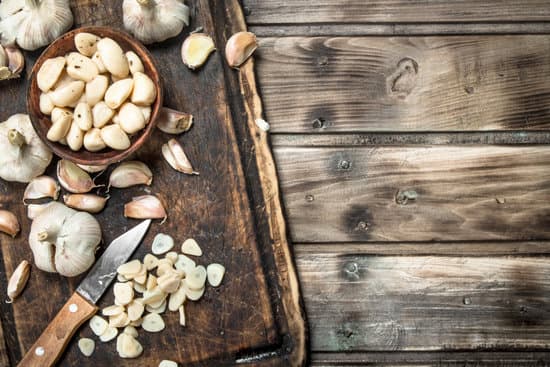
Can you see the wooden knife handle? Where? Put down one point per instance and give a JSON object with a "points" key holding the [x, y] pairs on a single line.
{"points": [[51, 344]]}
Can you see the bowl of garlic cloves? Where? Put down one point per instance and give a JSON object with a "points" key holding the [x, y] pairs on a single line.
{"points": [[94, 95]]}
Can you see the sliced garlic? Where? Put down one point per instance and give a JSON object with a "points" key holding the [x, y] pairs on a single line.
{"points": [[102, 114], [86, 346], [185, 264], [130, 268], [239, 48], [151, 282], [150, 261], [75, 137], [162, 243], [114, 137], [177, 298], [158, 303], [173, 153], [113, 57], [86, 202], [135, 310], [41, 187], [98, 325], [45, 104], [9, 223], [80, 67], [136, 323], [118, 93], [169, 282], [130, 330], [139, 287], [134, 62], [109, 334], [191, 247], [18, 280], [145, 207], [152, 296], [144, 92], [141, 278], [181, 310], [131, 119], [174, 122], [112, 310], [167, 363], [128, 347], [192, 294], [83, 116], [67, 95], [93, 140], [172, 256], [197, 278], [120, 320], [49, 73], [195, 50], [95, 89], [214, 274], [161, 308], [73, 178], [59, 128], [153, 323], [86, 43]]}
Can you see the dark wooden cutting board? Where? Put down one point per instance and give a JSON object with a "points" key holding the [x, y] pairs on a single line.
{"points": [[232, 209]]}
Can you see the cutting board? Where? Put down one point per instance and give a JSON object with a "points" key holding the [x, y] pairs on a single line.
{"points": [[232, 209]]}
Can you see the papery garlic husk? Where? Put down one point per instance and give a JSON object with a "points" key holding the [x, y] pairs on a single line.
{"points": [[34, 210], [154, 20], [173, 122], [33, 23], [73, 178], [195, 50], [13, 63], [24, 156], [3, 57], [129, 174], [18, 280], [41, 187], [93, 169], [9, 223], [145, 207], [176, 157], [86, 202], [239, 48], [64, 240]]}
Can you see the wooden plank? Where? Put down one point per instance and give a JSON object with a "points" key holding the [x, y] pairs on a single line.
{"points": [[394, 11], [215, 208], [356, 302], [465, 193], [4, 358], [362, 84]]}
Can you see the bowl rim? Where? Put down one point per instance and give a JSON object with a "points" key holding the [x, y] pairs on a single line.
{"points": [[102, 157]]}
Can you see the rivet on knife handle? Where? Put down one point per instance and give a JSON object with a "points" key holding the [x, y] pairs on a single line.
{"points": [[51, 344]]}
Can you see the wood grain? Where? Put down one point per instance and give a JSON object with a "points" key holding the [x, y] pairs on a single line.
{"points": [[465, 193], [394, 11], [362, 84], [356, 302]]}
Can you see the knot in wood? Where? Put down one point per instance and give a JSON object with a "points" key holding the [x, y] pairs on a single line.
{"points": [[310, 198], [319, 123], [403, 80], [344, 164], [403, 197], [466, 300]]}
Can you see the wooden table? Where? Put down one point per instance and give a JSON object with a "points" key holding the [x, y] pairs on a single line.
{"points": [[411, 143]]}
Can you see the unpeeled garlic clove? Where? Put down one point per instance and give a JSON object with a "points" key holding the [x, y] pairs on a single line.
{"points": [[174, 122], [49, 73], [16, 63], [85, 202], [129, 174], [9, 223], [114, 137], [41, 187], [239, 48], [145, 207], [195, 50], [176, 158], [73, 178], [93, 140], [18, 280]]}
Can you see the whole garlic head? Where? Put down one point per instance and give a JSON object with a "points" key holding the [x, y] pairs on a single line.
{"points": [[64, 240], [24, 156], [154, 20], [33, 23]]}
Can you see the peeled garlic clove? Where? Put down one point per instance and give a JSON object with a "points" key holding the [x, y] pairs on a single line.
{"points": [[58, 113], [195, 50], [81, 67], [101, 114], [175, 156], [131, 118], [93, 169], [167, 363], [86, 43], [75, 137], [98, 325], [129, 174], [41, 187], [144, 92], [239, 48], [153, 323], [96, 58], [59, 128], [109, 334], [145, 207], [49, 73], [174, 122], [83, 116], [18, 280], [93, 140], [68, 94], [114, 137], [86, 202], [197, 278], [185, 264], [45, 103], [113, 57], [177, 298], [191, 247], [134, 62], [146, 111], [162, 243], [214, 274], [73, 178], [86, 346], [118, 92], [95, 89]]}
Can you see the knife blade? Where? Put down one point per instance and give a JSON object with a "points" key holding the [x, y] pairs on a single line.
{"points": [[82, 304]]}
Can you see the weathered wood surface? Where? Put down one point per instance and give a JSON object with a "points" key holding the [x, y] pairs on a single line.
{"points": [[358, 302], [390, 11], [350, 84], [242, 319], [465, 193]]}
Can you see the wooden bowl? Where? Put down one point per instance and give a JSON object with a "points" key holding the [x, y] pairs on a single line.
{"points": [[42, 123]]}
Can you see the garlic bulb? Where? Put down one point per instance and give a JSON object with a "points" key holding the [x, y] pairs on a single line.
{"points": [[33, 23], [64, 240], [154, 20], [24, 156]]}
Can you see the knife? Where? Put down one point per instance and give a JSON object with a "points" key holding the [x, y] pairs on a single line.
{"points": [[82, 304]]}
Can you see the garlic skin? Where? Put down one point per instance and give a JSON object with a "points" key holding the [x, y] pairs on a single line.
{"points": [[129, 174], [73, 178], [145, 207], [239, 48], [86, 202], [154, 20], [173, 122], [18, 280], [64, 240], [41, 187], [24, 156], [33, 23]]}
